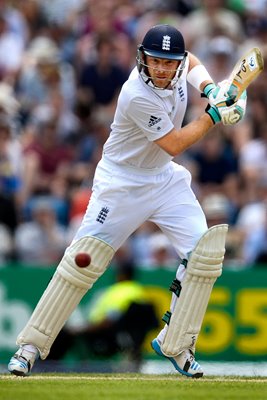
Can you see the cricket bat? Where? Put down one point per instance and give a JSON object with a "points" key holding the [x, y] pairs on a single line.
{"points": [[244, 72]]}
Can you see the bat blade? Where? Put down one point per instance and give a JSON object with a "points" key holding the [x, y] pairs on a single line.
{"points": [[244, 72]]}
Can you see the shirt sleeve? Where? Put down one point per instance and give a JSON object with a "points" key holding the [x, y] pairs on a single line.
{"points": [[153, 121]]}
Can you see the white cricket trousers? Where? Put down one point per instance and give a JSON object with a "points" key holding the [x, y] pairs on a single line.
{"points": [[124, 198]]}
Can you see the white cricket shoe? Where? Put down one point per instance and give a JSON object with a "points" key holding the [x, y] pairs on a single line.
{"points": [[22, 362], [184, 363]]}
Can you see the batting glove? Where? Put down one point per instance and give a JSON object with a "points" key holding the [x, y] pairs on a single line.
{"points": [[218, 95], [229, 115], [209, 89], [233, 114], [221, 103], [213, 113]]}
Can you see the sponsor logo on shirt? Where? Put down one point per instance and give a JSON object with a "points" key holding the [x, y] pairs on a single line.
{"points": [[153, 121], [181, 93]]}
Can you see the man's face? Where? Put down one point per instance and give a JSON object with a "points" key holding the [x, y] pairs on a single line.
{"points": [[161, 70]]}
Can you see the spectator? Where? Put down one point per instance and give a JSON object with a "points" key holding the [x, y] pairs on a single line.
{"points": [[15, 20], [211, 19], [79, 199], [6, 245], [60, 11], [253, 162], [11, 164], [86, 140], [46, 157], [141, 244], [255, 246], [218, 210], [155, 12], [216, 166], [103, 78], [32, 16], [221, 55], [11, 52], [162, 252], [43, 74], [8, 104], [42, 240], [252, 222]]}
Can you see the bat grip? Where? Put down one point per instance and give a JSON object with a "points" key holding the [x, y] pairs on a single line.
{"points": [[230, 102]]}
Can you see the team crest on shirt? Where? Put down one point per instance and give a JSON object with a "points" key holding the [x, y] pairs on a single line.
{"points": [[102, 215], [166, 42], [153, 121]]}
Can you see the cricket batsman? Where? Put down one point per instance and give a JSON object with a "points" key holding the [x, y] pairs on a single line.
{"points": [[137, 181]]}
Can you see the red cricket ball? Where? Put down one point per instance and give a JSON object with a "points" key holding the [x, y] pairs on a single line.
{"points": [[82, 260]]}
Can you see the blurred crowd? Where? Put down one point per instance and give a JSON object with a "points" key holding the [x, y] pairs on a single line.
{"points": [[62, 64]]}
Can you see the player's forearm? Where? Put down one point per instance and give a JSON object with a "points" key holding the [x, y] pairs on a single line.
{"points": [[177, 141], [193, 132], [198, 76]]}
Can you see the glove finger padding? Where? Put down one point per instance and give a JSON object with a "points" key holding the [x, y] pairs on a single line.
{"points": [[218, 95], [233, 114], [221, 106]]}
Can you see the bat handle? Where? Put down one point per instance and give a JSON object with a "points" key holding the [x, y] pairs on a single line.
{"points": [[230, 102]]}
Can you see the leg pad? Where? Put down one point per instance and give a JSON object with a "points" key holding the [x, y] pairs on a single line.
{"points": [[203, 268], [64, 292]]}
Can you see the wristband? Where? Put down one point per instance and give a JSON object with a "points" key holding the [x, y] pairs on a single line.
{"points": [[197, 75]]}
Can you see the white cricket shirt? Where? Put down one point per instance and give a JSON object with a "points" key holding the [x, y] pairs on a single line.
{"points": [[143, 115]]}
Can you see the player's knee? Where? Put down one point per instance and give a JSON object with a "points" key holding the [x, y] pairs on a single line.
{"points": [[100, 256], [207, 257]]}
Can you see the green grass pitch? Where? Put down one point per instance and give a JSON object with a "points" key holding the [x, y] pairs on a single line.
{"points": [[130, 387]]}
